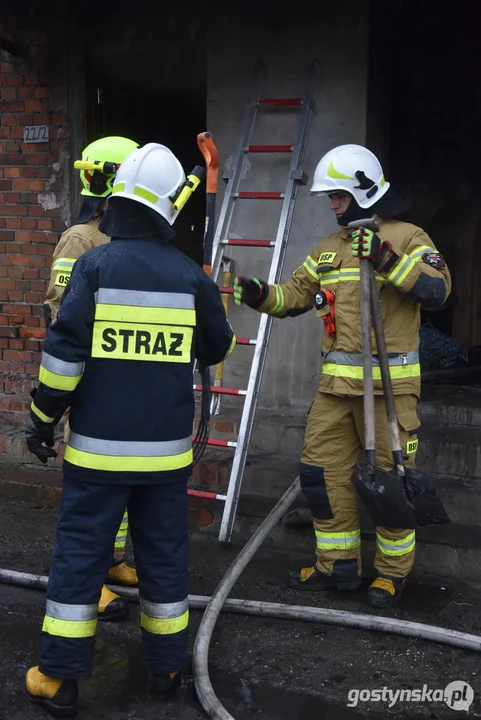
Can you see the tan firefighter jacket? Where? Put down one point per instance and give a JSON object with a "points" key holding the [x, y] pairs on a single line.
{"points": [[72, 244], [419, 278]]}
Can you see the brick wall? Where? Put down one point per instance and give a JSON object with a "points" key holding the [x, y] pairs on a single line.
{"points": [[33, 192]]}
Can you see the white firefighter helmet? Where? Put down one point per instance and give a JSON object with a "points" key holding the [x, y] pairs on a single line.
{"points": [[351, 168], [151, 175]]}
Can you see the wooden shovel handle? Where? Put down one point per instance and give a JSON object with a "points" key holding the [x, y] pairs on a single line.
{"points": [[369, 421]]}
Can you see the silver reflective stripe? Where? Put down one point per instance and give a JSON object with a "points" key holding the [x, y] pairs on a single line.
{"points": [[61, 611], [338, 541], [129, 448], [162, 611], [397, 546], [65, 264], [61, 367], [342, 358], [108, 296]]}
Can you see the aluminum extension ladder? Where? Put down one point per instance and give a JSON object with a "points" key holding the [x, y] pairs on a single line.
{"points": [[232, 195]]}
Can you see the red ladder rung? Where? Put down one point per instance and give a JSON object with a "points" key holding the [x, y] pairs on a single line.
{"points": [[226, 290], [281, 102], [219, 443], [246, 341], [270, 148], [222, 390], [254, 195], [248, 243], [206, 495]]}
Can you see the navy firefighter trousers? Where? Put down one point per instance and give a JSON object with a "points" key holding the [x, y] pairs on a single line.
{"points": [[90, 515]]}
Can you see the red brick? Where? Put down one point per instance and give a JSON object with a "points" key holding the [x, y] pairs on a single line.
{"points": [[7, 284], [29, 224], [31, 321], [16, 345], [12, 172], [45, 250], [31, 80], [21, 185], [29, 248], [28, 172], [13, 210], [3, 366], [36, 158], [30, 273], [32, 333], [36, 211], [37, 286], [10, 120], [18, 260], [17, 133], [8, 332], [42, 92], [37, 185], [44, 224], [43, 118], [5, 184], [17, 356], [25, 93], [14, 198], [26, 119], [14, 80], [6, 68], [8, 93], [30, 369], [14, 223], [14, 296], [33, 297], [17, 309]]}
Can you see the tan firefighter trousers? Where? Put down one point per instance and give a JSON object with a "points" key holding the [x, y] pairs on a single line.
{"points": [[333, 443]]}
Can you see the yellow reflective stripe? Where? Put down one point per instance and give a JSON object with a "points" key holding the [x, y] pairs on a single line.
{"points": [[131, 463], [401, 270], [232, 345], [279, 299], [164, 626], [146, 194], [140, 314], [333, 173], [338, 540], [130, 341], [58, 382], [118, 187], [69, 628], [354, 372], [343, 275], [120, 541], [40, 414], [310, 265], [420, 251], [396, 547], [64, 263]]}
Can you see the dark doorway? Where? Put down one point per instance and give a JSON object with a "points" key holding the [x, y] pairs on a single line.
{"points": [[140, 86]]}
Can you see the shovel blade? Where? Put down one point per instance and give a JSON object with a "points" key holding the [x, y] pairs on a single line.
{"points": [[427, 505], [383, 494]]}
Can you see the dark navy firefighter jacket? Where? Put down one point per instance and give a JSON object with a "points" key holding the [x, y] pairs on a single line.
{"points": [[133, 319]]}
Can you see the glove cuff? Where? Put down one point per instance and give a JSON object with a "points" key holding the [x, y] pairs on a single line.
{"points": [[388, 258], [261, 298]]}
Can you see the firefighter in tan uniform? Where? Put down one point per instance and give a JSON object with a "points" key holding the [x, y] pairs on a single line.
{"points": [[410, 274], [79, 238]]}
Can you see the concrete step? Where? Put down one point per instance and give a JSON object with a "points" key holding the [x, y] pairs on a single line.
{"points": [[451, 551], [450, 449]]}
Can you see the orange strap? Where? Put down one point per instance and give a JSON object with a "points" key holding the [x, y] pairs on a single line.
{"points": [[211, 155]]}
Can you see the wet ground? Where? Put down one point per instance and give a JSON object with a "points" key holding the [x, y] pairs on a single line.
{"points": [[265, 668]]}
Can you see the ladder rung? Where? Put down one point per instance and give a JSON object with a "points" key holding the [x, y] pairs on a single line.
{"points": [[270, 148], [219, 443], [222, 390], [259, 195], [248, 243], [246, 341], [226, 290], [207, 495], [281, 102]]}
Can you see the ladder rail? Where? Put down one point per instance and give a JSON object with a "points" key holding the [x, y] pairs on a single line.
{"points": [[296, 177]]}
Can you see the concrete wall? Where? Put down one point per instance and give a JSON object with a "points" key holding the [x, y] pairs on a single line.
{"points": [[337, 34]]}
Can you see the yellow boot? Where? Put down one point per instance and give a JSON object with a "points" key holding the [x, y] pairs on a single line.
{"points": [[58, 697], [122, 574], [111, 606]]}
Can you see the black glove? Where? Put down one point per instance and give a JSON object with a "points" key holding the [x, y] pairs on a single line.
{"points": [[250, 291], [38, 433]]}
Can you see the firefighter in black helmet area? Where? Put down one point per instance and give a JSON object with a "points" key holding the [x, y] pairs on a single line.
{"points": [[133, 318]]}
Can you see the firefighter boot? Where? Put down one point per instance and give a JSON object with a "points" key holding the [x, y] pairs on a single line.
{"points": [[310, 578], [165, 685], [122, 574], [385, 591], [58, 697], [111, 606]]}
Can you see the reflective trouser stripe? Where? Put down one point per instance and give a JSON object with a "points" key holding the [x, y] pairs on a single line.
{"points": [[164, 618], [128, 456], [121, 538], [70, 621], [344, 358], [396, 547], [338, 540]]}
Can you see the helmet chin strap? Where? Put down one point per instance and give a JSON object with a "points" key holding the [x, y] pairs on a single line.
{"points": [[353, 212]]}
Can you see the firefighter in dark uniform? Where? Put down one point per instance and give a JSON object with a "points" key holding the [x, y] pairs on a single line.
{"points": [[134, 317], [410, 272]]}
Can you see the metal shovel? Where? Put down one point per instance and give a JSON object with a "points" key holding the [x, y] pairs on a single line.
{"points": [[401, 497]]}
